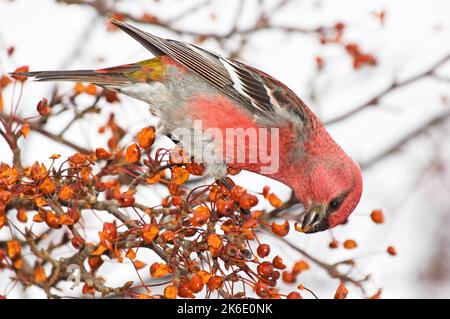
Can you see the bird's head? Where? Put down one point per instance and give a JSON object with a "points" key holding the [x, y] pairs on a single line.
{"points": [[330, 192]]}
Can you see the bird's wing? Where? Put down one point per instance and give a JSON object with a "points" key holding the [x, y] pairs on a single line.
{"points": [[254, 89]]}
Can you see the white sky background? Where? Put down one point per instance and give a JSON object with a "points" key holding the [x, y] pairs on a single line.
{"points": [[413, 193]]}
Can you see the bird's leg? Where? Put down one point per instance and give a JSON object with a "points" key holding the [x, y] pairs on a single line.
{"points": [[169, 135], [161, 130], [225, 181]]}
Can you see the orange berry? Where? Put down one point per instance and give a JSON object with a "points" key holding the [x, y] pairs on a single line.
{"points": [[261, 289], [377, 295], [78, 158], [149, 233], [110, 96], [247, 201], [377, 216], [74, 214], [266, 191], [204, 275], [149, 18], [177, 201], [52, 220], [21, 78], [341, 292], [274, 200], [78, 242], [233, 171], [47, 186], [333, 244], [146, 137], [300, 266], [14, 249], [126, 199], [88, 289], [90, 89], [265, 269], [214, 241], [196, 169], [391, 250], [133, 153], [263, 250], [170, 292], [281, 229], [350, 244], [294, 295], [65, 193], [168, 236], [101, 153], [42, 107], [139, 264], [21, 215], [237, 192], [25, 129], [39, 275], [215, 282], [225, 207], [109, 231], [250, 223], [201, 216], [158, 270], [78, 87], [288, 277], [4, 81], [256, 214], [179, 175], [339, 26], [174, 189], [155, 178], [184, 290], [95, 262], [196, 283], [278, 263]]}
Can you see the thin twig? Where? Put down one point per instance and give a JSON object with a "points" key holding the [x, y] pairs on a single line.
{"points": [[393, 86], [55, 137]]}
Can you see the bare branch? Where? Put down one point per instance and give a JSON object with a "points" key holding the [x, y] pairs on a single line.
{"points": [[395, 85]]}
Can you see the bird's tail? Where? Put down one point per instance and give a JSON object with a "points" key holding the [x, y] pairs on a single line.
{"points": [[109, 77]]}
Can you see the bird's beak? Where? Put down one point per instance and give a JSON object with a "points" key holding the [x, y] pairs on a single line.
{"points": [[315, 220]]}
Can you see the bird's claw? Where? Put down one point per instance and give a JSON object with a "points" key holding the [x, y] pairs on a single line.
{"points": [[228, 183]]}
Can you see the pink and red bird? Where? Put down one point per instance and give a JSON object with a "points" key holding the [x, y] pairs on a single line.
{"points": [[185, 83]]}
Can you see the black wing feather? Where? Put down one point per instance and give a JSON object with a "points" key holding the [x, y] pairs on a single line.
{"points": [[178, 51], [211, 68]]}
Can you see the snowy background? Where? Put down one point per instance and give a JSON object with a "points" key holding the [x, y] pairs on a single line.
{"points": [[402, 143]]}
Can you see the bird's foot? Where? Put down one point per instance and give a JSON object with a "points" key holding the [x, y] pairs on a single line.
{"points": [[229, 184], [162, 130], [169, 135]]}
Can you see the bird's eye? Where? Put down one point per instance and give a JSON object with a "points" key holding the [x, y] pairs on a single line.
{"points": [[335, 204]]}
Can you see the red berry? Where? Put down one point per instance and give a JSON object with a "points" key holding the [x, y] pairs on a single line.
{"points": [[265, 269], [263, 250]]}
